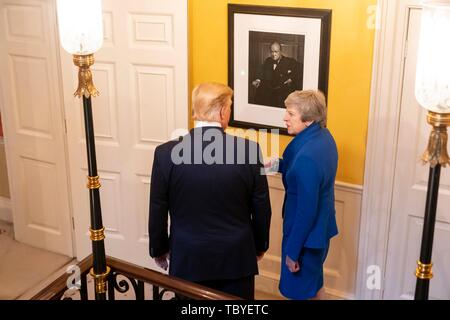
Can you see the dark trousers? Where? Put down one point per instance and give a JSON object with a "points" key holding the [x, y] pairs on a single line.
{"points": [[242, 287]]}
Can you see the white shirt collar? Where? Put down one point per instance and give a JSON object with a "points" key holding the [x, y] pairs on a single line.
{"points": [[200, 124]]}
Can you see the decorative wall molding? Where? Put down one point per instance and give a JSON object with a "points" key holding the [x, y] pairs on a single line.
{"points": [[348, 187], [6, 210]]}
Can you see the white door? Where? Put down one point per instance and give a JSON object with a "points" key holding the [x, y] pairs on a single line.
{"points": [[410, 187], [34, 124], [141, 73]]}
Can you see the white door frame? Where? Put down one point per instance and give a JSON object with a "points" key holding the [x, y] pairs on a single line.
{"points": [[49, 50], [382, 141]]}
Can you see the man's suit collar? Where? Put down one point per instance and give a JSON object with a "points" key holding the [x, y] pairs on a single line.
{"points": [[203, 129], [200, 124]]}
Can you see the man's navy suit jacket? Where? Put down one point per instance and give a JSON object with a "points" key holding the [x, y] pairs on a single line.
{"points": [[219, 212]]}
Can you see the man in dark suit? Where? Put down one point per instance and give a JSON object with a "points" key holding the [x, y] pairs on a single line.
{"points": [[212, 185], [277, 77]]}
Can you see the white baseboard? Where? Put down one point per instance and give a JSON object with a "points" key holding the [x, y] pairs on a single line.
{"points": [[6, 210]]}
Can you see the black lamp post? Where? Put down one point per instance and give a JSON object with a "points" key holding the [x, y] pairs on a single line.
{"points": [[433, 93], [437, 156], [81, 34]]}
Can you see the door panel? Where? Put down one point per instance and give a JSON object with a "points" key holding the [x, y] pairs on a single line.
{"points": [[34, 125], [141, 73]]}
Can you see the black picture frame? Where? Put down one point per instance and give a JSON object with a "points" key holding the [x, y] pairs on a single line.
{"points": [[251, 31]]}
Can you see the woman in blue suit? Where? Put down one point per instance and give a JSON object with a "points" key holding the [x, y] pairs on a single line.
{"points": [[308, 168]]}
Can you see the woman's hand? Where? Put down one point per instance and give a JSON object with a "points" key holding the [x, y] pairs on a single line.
{"points": [[271, 165], [292, 265]]}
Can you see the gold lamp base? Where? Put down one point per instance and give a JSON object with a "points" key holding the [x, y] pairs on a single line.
{"points": [[436, 152], [85, 84]]}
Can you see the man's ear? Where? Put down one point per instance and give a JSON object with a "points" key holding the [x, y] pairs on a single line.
{"points": [[222, 112]]}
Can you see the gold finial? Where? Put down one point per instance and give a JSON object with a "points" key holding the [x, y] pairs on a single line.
{"points": [[85, 84]]}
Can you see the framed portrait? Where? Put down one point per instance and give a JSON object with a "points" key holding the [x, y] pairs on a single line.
{"points": [[273, 51]]}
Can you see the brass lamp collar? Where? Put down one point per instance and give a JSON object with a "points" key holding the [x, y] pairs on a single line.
{"points": [[85, 84], [93, 182], [436, 152], [97, 235], [424, 271], [100, 280]]}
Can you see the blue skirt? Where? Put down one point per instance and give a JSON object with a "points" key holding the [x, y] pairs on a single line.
{"points": [[305, 283]]}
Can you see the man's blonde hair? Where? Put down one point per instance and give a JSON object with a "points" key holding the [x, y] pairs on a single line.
{"points": [[311, 104], [208, 99]]}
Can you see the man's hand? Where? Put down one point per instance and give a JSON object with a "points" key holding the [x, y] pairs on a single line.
{"points": [[163, 261], [288, 81], [256, 83], [292, 265]]}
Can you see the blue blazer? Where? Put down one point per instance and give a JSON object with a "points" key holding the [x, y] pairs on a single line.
{"points": [[219, 212], [309, 167]]}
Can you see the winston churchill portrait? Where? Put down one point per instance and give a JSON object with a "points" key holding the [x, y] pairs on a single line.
{"points": [[275, 67]]}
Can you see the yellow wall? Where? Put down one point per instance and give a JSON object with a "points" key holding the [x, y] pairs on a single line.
{"points": [[350, 67]]}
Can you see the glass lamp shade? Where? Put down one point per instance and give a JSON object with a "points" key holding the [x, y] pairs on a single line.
{"points": [[80, 25], [433, 62]]}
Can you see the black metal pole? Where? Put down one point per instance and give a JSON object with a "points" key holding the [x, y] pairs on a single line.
{"points": [[98, 246], [423, 272]]}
